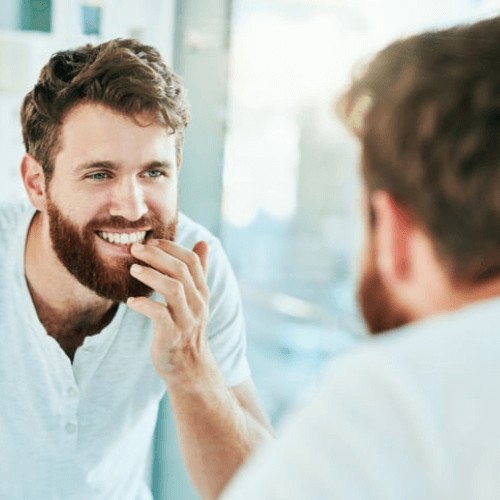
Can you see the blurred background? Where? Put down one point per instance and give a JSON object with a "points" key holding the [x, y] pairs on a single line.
{"points": [[267, 166]]}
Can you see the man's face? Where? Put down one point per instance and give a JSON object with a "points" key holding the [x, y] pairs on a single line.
{"points": [[115, 182], [380, 307]]}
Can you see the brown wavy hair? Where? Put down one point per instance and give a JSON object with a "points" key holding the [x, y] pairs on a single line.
{"points": [[431, 137], [123, 74]]}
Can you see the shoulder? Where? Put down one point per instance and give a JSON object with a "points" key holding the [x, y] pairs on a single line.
{"points": [[15, 218], [414, 372], [12, 212], [440, 345], [220, 275], [189, 232], [402, 406]]}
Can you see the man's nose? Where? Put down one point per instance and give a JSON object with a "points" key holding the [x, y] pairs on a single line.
{"points": [[128, 200]]}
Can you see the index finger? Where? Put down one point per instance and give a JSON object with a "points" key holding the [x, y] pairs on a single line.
{"points": [[195, 260]]}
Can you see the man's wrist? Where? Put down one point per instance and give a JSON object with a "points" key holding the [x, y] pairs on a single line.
{"points": [[191, 371]]}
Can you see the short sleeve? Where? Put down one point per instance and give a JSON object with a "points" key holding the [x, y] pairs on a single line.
{"points": [[226, 326]]}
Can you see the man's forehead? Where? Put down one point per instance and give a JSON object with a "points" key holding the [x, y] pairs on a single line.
{"points": [[96, 134], [98, 123]]}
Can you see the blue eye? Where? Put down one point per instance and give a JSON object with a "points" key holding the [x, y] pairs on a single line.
{"points": [[154, 173], [98, 176]]}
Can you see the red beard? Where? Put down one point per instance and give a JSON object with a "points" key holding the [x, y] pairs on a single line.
{"points": [[77, 251], [380, 309]]}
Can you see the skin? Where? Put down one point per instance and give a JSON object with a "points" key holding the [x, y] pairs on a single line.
{"points": [[108, 164]]}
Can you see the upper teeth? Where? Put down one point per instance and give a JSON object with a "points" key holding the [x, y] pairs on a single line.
{"points": [[123, 238]]}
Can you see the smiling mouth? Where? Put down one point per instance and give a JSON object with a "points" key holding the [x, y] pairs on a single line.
{"points": [[123, 238]]}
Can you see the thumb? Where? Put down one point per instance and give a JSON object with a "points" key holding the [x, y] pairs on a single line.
{"points": [[201, 250]]}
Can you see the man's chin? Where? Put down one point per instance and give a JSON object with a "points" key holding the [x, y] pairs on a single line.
{"points": [[139, 290], [112, 280], [119, 292]]}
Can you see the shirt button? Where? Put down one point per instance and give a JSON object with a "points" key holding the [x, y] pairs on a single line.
{"points": [[70, 428], [72, 392], [89, 348]]}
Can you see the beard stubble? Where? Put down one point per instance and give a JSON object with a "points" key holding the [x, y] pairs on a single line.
{"points": [[381, 310]]}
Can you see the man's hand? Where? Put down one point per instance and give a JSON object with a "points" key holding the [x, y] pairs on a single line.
{"points": [[178, 275], [218, 426]]}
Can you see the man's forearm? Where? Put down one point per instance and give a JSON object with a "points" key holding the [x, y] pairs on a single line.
{"points": [[216, 433]]}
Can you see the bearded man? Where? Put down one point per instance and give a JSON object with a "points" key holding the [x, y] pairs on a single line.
{"points": [[413, 414], [111, 297]]}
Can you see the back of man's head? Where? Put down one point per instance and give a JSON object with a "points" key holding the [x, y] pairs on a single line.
{"points": [[431, 138], [122, 74]]}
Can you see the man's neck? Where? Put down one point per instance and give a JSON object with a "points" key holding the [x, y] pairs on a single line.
{"points": [[444, 296], [468, 294], [428, 288], [68, 310]]}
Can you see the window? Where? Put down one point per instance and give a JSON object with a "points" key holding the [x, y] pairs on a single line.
{"points": [[290, 199], [27, 15]]}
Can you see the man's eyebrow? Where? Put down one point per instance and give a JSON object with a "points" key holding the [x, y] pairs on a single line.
{"points": [[109, 165], [93, 164], [159, 164]]}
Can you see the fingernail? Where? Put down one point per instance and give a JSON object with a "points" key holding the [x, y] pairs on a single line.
{"points": [[135, 268], [153, 242], [137, 247]]}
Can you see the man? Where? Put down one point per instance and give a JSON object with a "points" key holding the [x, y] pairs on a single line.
{"points": [[110, 297], [414, 414]]}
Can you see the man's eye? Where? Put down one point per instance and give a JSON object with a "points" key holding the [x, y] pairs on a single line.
{"points": [[98, 176], [153, 173]]}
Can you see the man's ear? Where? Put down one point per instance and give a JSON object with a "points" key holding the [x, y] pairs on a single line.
{"points": [[34, 181], [392, 232]]}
